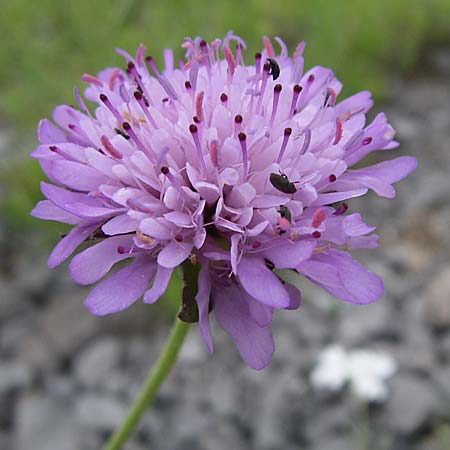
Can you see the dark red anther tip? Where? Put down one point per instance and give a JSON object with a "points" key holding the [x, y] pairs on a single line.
{"points": [[332, 178], [297, 89], [130, 65], [311, 78], [223, 97], [179, 238], [238, 118], [121, 250], [258, 55], [287, 131], [103, 98], [164, 170], [367, 141], [266, 67], [256, 244], [242, 136], [137, 95], [126, 126], [53, 148], [316, 234], [203, 43], [187, 85], [71, 126], [196, 119], [193, 128], [277, 88]]}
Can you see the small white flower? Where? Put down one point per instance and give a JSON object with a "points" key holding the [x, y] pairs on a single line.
{"points": [[366, 372]]}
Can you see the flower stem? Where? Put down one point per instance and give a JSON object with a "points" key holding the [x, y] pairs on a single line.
{"points": [[148, 391]]}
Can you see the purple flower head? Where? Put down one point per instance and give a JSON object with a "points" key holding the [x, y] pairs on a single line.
{"points": [[237, 172]]}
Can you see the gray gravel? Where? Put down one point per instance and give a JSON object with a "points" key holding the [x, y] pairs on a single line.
{"points": [[67, 377]]}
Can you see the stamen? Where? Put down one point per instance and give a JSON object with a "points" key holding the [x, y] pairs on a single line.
{"points": [[332, 178], [127, 127], [367, 141], [330, 97], [179, 238], [163, 81], [199, 105], [296, 92], [287, 133], [256, 244], [144, 106], [213, 153], [110, 106], [91, 79], [165, 171], [224, 98], [115, 75], [193, 74], [237, 124], [338, 134], [276, 96], [137, 77], [60, 152], [268, 47], [243, 141], [188, 86], [231, 63], [194, 131], [316, 234], [110, 148], [258, 58], [305, 91], [318, 217]]}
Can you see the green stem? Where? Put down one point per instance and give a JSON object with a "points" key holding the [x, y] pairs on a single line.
{"points": [[148, 391]]}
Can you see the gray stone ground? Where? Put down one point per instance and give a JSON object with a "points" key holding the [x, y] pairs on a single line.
{"points": [[67, 377]]}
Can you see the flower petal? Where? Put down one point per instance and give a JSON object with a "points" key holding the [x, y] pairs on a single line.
{"points": [[338, 273], [174, 253], [254, 343], [286, 254], [202, 299], [122, 288], [261, 283], [159, 285], [92, 264], [69, 243]]}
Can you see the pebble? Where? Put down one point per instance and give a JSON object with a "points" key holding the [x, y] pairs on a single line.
{"points": [[437, 300]]}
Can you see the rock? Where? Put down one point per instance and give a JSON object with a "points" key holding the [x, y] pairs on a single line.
{"points": [[440, 60], [14, 376], [437, 300], [99, 412], [97, 361], [193, 351], [334, 442], [45, 423], [412, 404], [442, 379]]}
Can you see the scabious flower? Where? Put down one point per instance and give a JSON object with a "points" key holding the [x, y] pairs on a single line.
{"points": [[237, 172]]}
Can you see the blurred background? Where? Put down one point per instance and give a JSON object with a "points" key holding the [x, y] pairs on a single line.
{"points": [[66, 378]]}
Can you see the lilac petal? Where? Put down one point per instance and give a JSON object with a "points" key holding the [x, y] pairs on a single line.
{"points": [[260, 313], [295, 296], [119, 225], [286, 254], [254, 343], [76, 203], [77, 176], [174, 253], [378, 177], [94, 263], [122, 288], [48, 133], [202, 299], [69, 243], [332, 197], [338, 273], [47, 210], [261, 283], [159, 285]]}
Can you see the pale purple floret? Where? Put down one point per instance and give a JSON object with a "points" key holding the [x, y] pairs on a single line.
{"points": [[220, 164]]}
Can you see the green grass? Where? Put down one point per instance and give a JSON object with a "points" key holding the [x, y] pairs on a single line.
{"points": [[46, 45]]}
